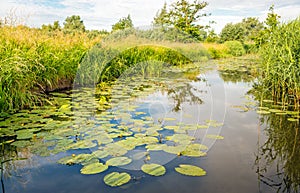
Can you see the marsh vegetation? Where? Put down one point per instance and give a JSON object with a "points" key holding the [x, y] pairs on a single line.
{"points": [[138, 108]]}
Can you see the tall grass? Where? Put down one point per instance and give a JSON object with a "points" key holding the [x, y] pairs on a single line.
{"points": [[32, 62], [280, 62]]}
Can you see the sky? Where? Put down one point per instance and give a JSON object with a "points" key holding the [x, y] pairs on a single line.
{"points": [[102, 14]]}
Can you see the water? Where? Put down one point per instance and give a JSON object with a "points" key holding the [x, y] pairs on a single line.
{"points": [[250, 158]]}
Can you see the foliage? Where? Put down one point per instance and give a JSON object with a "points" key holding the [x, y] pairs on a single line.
{"points": [[50, 28], [246, 30], [212, 37], [123, 23], [161, 18], [216, 51], [280, 54], [235, 48], [184, 16], [33, 62], [73, 24], [232, 32]]}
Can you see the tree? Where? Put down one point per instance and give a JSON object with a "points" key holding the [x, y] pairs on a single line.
{"points": [[74, 24], [246, 30], [271, 23], [51, 28], [184, 16], [123, 23], [212, 36], [252, 27], [232, 32], [273, 19], [162, 17]]}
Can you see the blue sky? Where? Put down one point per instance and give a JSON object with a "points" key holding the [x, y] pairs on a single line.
{"points": [[102, 14]]}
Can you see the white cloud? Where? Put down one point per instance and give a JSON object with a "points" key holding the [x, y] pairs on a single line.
{"points": [[101, 14]]}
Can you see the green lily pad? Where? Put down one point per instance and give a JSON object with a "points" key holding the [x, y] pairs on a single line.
{"points": [[169, 119], [21, 144], [84, 144], [174, 149], [116, 179], [76, 159], [262, 112], [155, 147], [94, 168], [190, 170], [214, 137], [100, 154], [118, 161], [154, 169], [292, 119], [172, 127], [180, 138], [24, 134], [114, 149]]}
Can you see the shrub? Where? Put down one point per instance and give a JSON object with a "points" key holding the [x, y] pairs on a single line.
{"points": [[235, 48]]}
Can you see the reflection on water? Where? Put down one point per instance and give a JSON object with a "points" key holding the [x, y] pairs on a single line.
{"points": [[247, 160], [281, 150]]}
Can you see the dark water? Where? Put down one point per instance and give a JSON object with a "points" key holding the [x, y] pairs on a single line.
{"points": [[250, 158]]}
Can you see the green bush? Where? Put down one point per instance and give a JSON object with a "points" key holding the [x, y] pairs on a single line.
{"points": [[235, 48]]}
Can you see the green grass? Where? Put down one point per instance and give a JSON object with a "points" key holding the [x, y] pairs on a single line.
{"points": [[33, 62]]}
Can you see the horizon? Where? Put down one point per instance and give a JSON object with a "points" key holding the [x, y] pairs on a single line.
{"points": [[102, 14]]}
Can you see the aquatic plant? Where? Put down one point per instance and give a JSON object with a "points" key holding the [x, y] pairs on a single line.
{"points": [[280, 78]]}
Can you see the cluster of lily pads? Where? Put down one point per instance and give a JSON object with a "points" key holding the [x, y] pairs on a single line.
{"points": [[278, 109], [113, 125]]}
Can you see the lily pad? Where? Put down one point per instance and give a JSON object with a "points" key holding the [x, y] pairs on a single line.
{"points": [[190, 170], [76, 159], [100, 154], [115, 150], [214, 137], [24, 134], [154, 169], [292, 119], [116, 179], [21, 143], [263, 112], [118, 161], [94, 168], [155, 147]]}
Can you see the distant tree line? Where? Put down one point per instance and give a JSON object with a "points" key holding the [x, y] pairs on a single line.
{"points": [[184, 16]]}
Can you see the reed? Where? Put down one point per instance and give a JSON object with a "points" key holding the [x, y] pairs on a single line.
{"points": [[33, 62], [280, 63]]}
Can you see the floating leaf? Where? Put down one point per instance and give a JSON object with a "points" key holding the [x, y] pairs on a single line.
{"points": [[174, 149], [76, 159], [116, 179], [118, 161], [172, 127], [84, 144], [190, 170], [214, 137], [155, 147], [94, 168], [100, 154], [268, 101], [180, 138], [169, 119], [24, 134], [154, 169], [292, 119], [262, 112], [115, 150], [21, 143]]}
